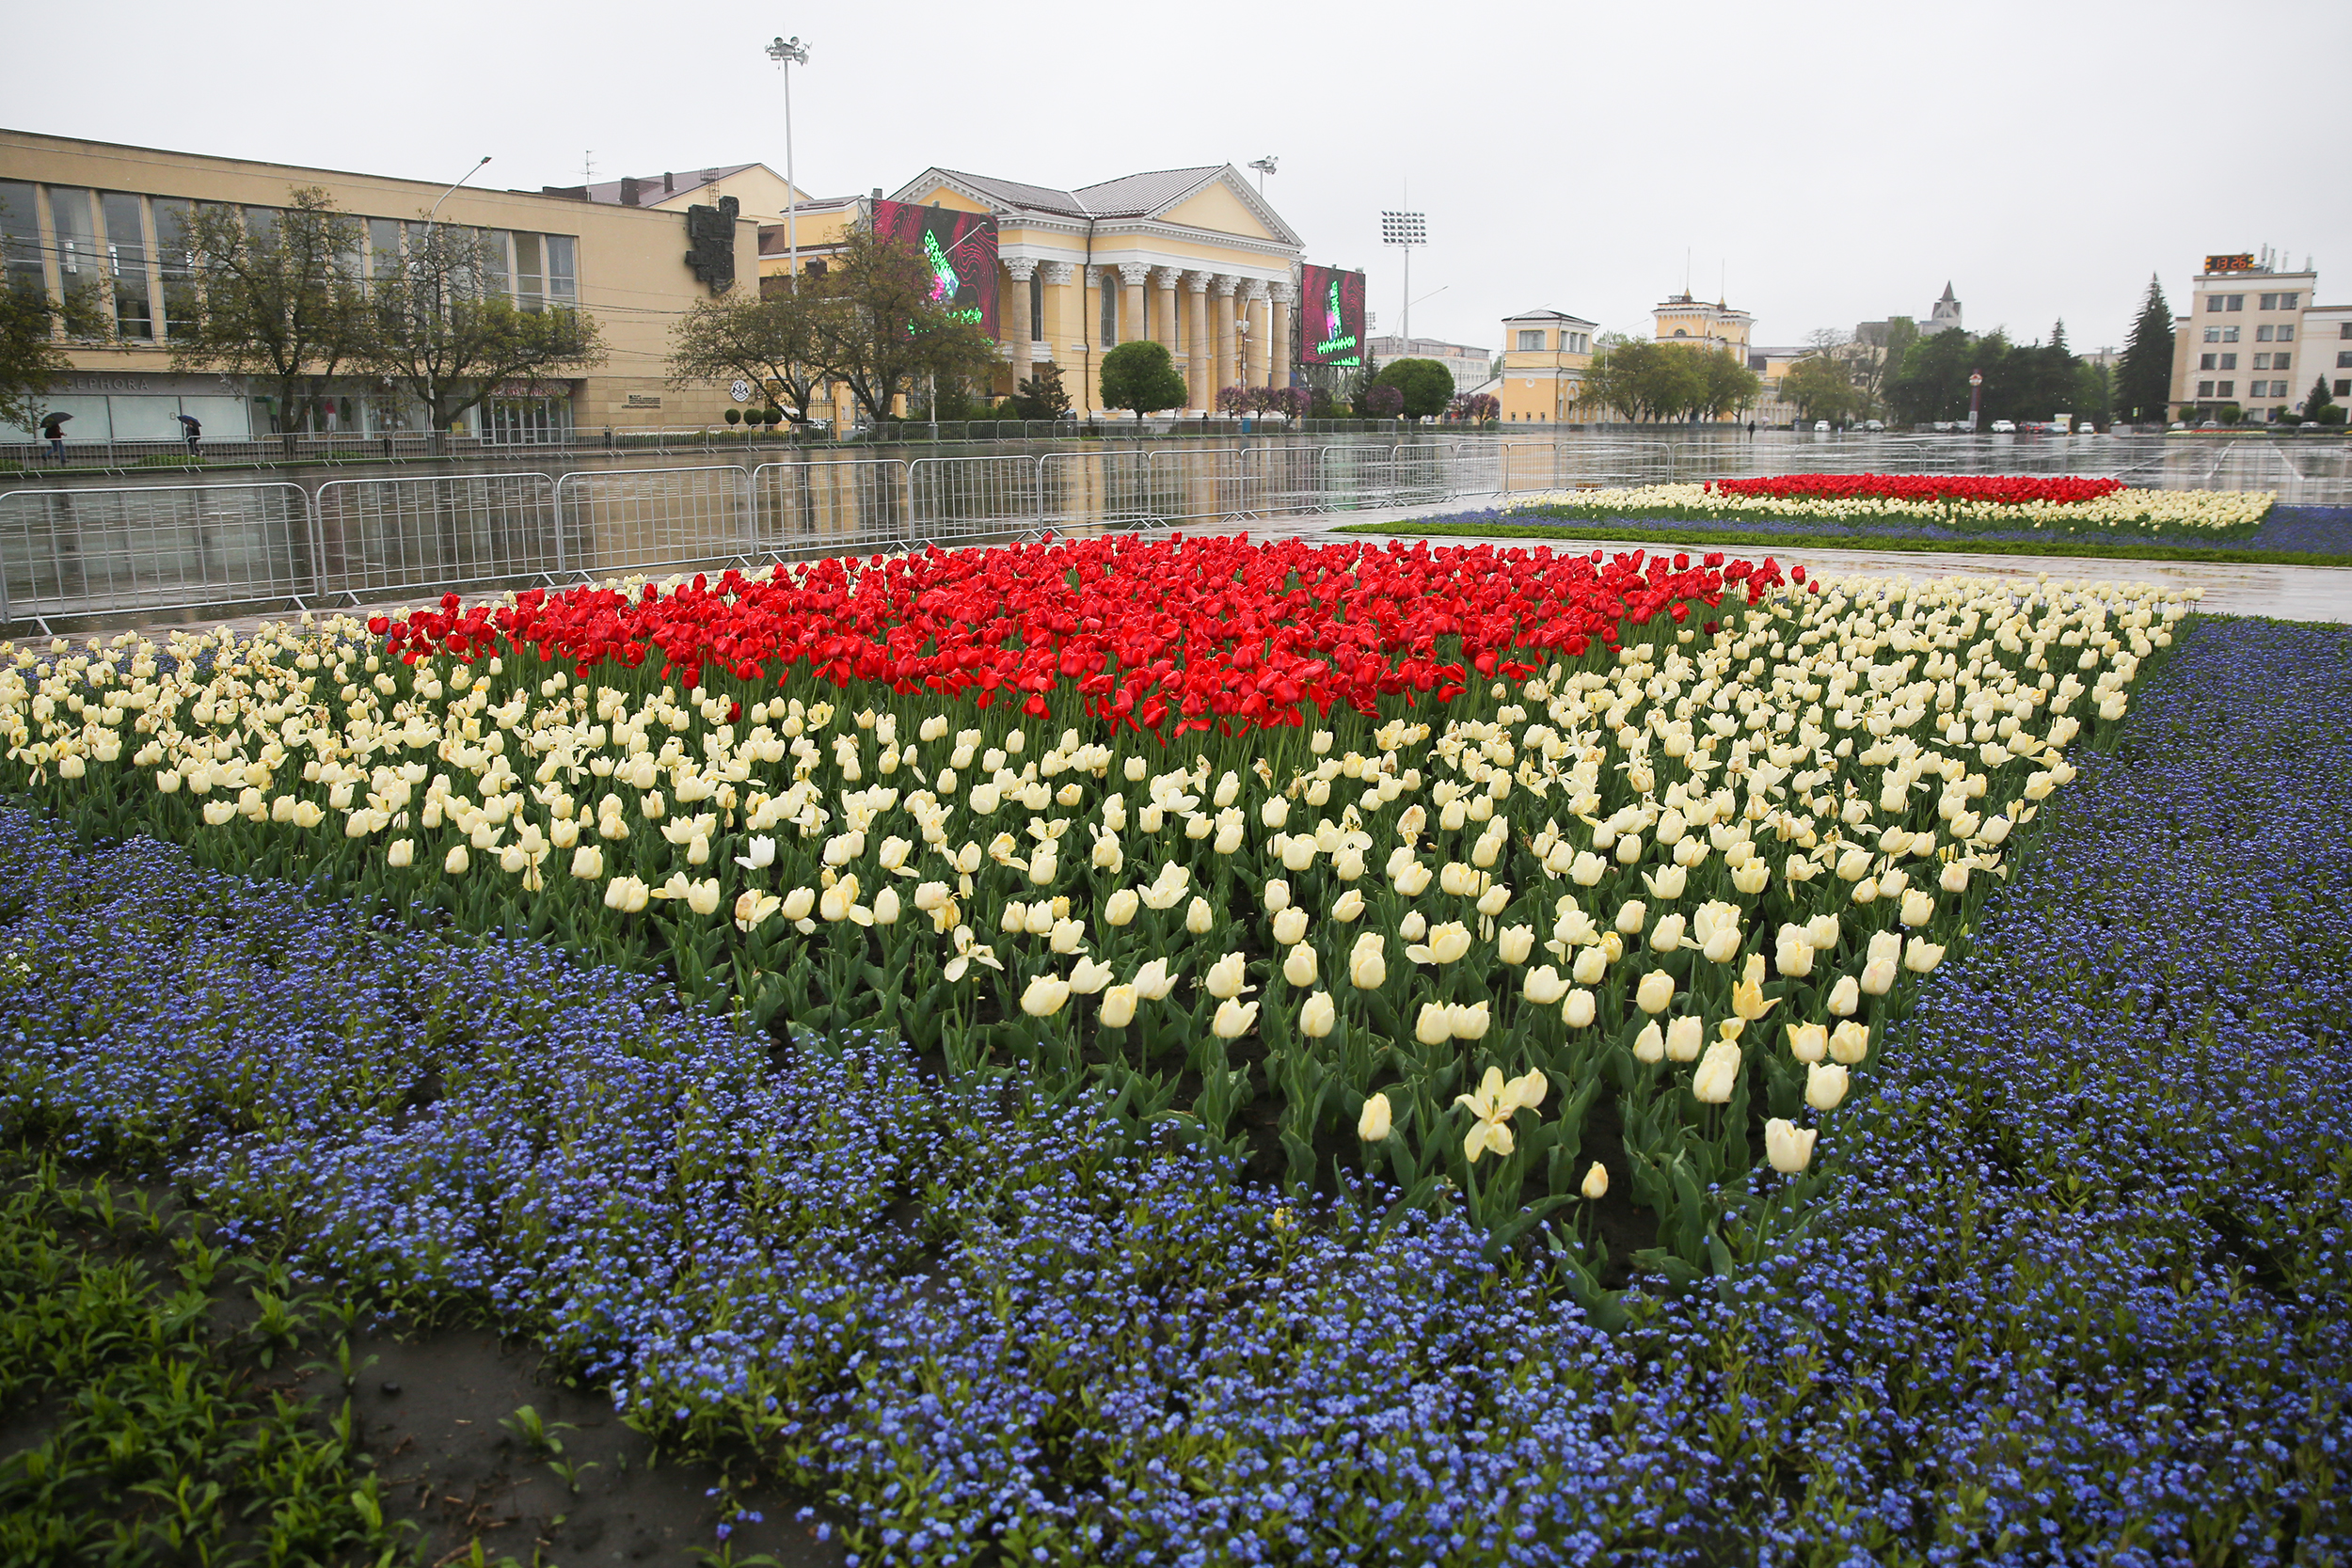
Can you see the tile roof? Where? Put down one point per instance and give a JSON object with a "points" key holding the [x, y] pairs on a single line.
{"points": [[1133, 194], [649, 185]]}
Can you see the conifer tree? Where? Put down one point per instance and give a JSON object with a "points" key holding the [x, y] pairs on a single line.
{"points": [[2143, 377]]}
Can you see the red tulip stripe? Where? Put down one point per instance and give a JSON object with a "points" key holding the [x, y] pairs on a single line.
{"points": [[2001, 489]]}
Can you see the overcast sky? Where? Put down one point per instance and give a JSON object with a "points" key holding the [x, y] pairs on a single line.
{"points": [[1820, 163]]}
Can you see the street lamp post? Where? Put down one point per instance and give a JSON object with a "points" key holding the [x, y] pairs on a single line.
{"points": [[788, 53], [432, 377], [1264, 166], [1976, 397]]}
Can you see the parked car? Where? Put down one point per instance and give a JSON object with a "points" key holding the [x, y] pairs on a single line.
{"points": [[1820, 427], [2210, 424], [2004, 427], [1874, 426]]}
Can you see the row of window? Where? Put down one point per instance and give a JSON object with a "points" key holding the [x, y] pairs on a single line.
{"points": [[2253, 389], [2261, 361], [1534, 340], [2290, 301], [2283, 333], [126, 254]]}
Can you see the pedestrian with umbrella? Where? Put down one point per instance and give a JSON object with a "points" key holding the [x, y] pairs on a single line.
{"points": [[52, 432], [195, 430]]}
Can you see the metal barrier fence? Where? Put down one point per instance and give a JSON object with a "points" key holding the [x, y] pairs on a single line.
{"points": [[204, 548]]}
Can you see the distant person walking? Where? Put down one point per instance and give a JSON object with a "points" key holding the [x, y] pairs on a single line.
{"points": [[194, 428], [1751, 430], [52, 432]]}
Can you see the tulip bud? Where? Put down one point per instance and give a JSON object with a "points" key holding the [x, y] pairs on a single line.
{"points": [[1595, 1182], [1850, 1042], [1468, 1023], [401, 852], [1788, 1147], [454, 863], [1044, 997], [1087, 976], [1234, 1019], [1289, 926], [1199, 918], [1275, 811], [1119, 1007], [885, 906], [1655, 991], [1579, 1010], [798, 902], [1278, 895], [1062, 935], [1543, 986], [1494, 900], [1722, 944], [1807, 1042], [1318, 1015], [1920, 957], [1878, 977], [1718, 1073], [1374, 1123], [1118, 910], [1299, 968], [1824, 1087], [588, 863], [1153, 981], [1918, 906], [1367, 970], [1821, 931], [1845, 996], [1650, 1044], [1684, 1036], [1667, 936], [1434, 1026], [1591, 964], [1632, 915]]}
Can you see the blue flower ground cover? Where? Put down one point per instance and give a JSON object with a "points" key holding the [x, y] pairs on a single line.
{"points": [[2309, 530], [2076, 1289]]}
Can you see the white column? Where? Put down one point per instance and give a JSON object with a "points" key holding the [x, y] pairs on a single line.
{"points": [[1133, 325], [1015, 344], [1197, 365], [1064, 322], [1255, 352], [1221, 370], [1278, 344]]}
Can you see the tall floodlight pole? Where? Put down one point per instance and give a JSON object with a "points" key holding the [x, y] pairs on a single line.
{"points": [[788, 53], [1404, 230], [432, 381], [1264, 166]]}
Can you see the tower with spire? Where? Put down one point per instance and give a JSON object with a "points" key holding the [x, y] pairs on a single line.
{"points": [[1944, 315]]}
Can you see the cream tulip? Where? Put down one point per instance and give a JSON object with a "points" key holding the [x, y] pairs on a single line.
{"points": [[1845, 996], [1044, 997], [1118, 910], [1435, 1024], [628, 894], [1918, 906], [400, 852], [1850, 1042], [1788, 1147], [885, 906], [1824, 1085], [1718, 1073], [1591, 964], [1234, 1019], [454, 863], [1348, 907], [1470, 1021], [1807, 1042], [1087, 976], [1278, 895], [1289, 926], [588, 863], [1878, 977], [1684, 1038], [1199, 919], [1633, 914], [1153, 981], [1650, 1044], [1373, 1124], [1227, 977], [1595, 1185], [1921, 958], [1579, 1010], [1654, 993], [1119, 1007], [1300, 967], [1318, 1015], [1543, 986]]}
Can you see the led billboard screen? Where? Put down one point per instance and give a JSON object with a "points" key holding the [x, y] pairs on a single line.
{"points": [[1331, 317], [959, 248]]}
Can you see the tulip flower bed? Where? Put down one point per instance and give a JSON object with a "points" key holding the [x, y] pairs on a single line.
{"points": [[2074, 1277], [1962, 503], [2287, 536], [1602, 918]]}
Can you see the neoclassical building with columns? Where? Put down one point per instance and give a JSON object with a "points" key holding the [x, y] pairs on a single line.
{"points": [[1192, 257]]}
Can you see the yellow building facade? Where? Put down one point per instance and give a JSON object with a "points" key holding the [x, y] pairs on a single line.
{"points": [[1545, 356], [1699, 325], [99, 216]]}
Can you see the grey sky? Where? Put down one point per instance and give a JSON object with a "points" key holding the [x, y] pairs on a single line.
{"points": [[1828, 163]]}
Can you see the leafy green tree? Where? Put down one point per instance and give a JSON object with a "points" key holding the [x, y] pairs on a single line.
{"points": [[881, 334], [1730, 386], [1141, 377], [2095, 392], [30, 358], [1427, 384], [278, 297], [1821, 385], [767, 340], [2143, 377], [441, 325]]}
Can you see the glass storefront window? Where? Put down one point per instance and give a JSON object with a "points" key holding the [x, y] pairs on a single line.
{"points": [[530, 420], [126, 265]]}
